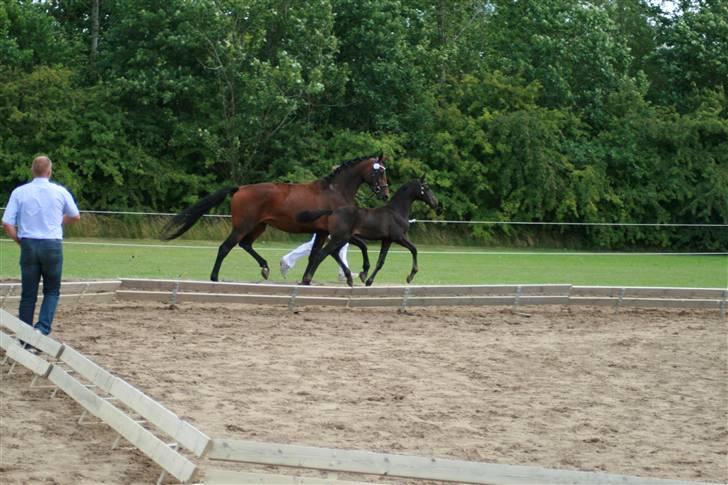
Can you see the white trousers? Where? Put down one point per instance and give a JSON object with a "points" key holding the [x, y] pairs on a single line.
{"points": [[305, 249]]}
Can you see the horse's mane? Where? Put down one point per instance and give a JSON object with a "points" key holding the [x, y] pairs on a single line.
{"points": [[345, 166]]}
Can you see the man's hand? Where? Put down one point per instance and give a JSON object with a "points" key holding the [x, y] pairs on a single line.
{"points": [[11, 231]]}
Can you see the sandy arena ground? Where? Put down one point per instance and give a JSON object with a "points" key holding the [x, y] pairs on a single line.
{"points": [[644, 392]]}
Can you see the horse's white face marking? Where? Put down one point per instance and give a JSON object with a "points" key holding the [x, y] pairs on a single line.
{"points": [[378, 166]]}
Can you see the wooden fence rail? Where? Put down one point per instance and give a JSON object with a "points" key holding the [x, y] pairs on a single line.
{"points": [[406, 466], [180, 291], [71, 292], [177, 291]]}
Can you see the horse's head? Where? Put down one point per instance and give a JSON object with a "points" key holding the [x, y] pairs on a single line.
{"points": [[426, 195], [375, 176]]}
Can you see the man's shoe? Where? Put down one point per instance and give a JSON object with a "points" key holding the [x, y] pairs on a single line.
{"points": [[285, 268]]}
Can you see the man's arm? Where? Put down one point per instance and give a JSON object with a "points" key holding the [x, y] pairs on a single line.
{"points": [[71, 219], [11, 231]]}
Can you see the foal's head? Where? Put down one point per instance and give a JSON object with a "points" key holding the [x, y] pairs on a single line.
{"points": [[424, 193]]}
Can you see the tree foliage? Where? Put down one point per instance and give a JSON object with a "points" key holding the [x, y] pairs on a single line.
{"points": [[537, 110]]}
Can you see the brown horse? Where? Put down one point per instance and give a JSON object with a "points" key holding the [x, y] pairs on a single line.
{"points": [[253, 207]]}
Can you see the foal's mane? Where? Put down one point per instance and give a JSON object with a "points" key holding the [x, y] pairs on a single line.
{"points": [[345, 166]]}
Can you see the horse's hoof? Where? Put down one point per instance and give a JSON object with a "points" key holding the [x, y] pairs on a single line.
{"points": [[409, 279], [265, 271], [363, 276], [213, 278], [350, 281], [369, 282]]}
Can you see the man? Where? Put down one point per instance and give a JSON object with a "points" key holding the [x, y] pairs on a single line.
{"points": [[34, 219]]}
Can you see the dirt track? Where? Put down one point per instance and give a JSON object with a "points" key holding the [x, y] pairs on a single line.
{"points": [[644, 392]]}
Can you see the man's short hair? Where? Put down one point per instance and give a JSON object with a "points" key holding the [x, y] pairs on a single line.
{"points": [[41, 166]]}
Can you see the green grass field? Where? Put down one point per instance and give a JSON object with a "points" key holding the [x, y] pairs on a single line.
{"points": [[447, 265]]}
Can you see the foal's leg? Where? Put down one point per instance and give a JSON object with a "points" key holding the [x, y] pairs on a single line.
{"points": [[380, 262], [247, 244], [358, 242], [223, 251], [316, 259], [407, 244], [344, 268]]}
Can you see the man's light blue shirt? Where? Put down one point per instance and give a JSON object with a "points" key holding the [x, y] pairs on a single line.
{"points": [[37, 209]]}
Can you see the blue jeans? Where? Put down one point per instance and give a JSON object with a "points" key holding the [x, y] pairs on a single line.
{"points": [[40, 258]]}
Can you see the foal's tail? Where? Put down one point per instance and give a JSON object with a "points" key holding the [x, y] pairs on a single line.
{"points": [[310, 216], [187, 218]]}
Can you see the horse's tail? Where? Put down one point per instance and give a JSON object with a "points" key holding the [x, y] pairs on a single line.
{"points": [[180, 223], [310, 216]]}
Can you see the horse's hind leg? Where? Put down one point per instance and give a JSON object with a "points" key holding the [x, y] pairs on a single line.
{"points": [[223, 251], [343, 267], [358, 242], [247, 244]]}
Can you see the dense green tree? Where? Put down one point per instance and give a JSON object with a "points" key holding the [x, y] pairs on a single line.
{"points": [[568, 110], [692, 57]]}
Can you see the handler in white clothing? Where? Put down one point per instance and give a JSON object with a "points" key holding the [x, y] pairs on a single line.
{"points": [[289, 260]]}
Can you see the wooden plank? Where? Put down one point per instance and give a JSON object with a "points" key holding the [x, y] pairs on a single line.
{"points": [[68, 287], [108, 297], [9, 289], [181, 431], [593, 300], [457, 300], [166, 297], [341, 291], [487, 300], [172, 462], [646, 302], [89, 286], [232, 288], [216, 476], [30, 361], [28, 334], [489, 290], [146, 284], [649, 292], [670, 303], [408, 466]]}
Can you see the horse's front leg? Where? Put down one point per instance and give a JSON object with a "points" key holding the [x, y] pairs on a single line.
{"points": [[380, 262], [358, 242], [407, 244], [316, 259], [318, 242]]}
